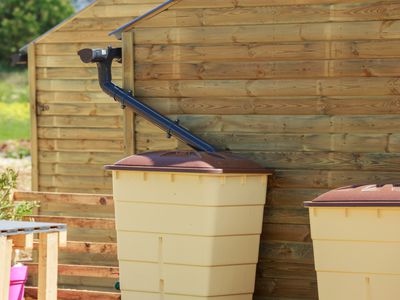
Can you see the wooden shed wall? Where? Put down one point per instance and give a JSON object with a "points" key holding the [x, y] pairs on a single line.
{"points": [[79, 128], [309, 88]]}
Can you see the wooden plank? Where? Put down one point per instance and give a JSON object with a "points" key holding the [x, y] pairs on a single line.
{"points": [[63, 209], [295, 216], [281, 288], [48, 266], [286, 232], [99, 23], [326, 160], [31, 293], [286, 251], [253, 88], [75, 189], [109, 2], [248, 3], [278, 269], [5, 266], [80, 222], [94, 170], [371, 30], [94, 235], [81, 121], [80, 133], [33, 114], [118, 11], [59, 85], [78, 37], [81, 270], [61, 181], [89, 248], [304, 50], [62, 239], [82, 145], [292, 105], [324, 179], [22, 241], [73, 73], [154, 142], [189, 4], [70, 49], [318, 13], [282, 142], [57, 61], [292, 198], [128, 52], [281, 124], [268, 70], [72, 97], [64, 198], [79, 157]]}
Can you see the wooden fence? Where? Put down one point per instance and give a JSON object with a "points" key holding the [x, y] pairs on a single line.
{"points": [[88, 265]]}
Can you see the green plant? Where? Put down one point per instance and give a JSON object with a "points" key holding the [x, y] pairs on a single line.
{"points": [[10, 209], [22, 21]]}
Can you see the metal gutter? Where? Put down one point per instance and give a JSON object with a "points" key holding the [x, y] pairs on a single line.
{"points": [[104, 59]]}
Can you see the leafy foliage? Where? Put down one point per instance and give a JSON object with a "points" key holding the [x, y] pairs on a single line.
{"points": [[9, 209], [22, 21], [14, 105]]}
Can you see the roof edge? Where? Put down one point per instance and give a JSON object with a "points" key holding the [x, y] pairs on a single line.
{"points": [[150, 14], [24, 49]]}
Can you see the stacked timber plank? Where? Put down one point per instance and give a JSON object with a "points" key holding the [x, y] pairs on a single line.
{"points": [[88, 266], [309, 88]]}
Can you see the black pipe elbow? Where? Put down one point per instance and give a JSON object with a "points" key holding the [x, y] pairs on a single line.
{"points": [[104, 58]]}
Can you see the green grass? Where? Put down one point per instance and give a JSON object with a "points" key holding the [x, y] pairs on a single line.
{"points": [[14, 105]]}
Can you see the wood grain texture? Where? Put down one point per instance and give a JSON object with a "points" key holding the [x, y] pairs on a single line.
{"points": [[363, 30], [128, 54], [287, 51], [33, 114], [67, 294]]}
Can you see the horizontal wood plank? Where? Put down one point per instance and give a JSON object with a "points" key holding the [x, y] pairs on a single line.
{"points": [[79, 157], [281, 14], [254, 124], [79, 222], [80, 133], [73, 97], [324, 179], [278, 105], [81, 145], [304, 50], [268, 70], [79, 121], [81, 270], [252, 88], [61, 181], [68, 169], [64, 198], [370, 30], [31, 293]]}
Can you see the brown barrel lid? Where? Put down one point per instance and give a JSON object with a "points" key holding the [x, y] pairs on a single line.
{"points": [[360, 195], [189, 161]]}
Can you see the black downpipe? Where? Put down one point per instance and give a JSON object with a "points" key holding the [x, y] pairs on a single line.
{"points": [[104, 59]]}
